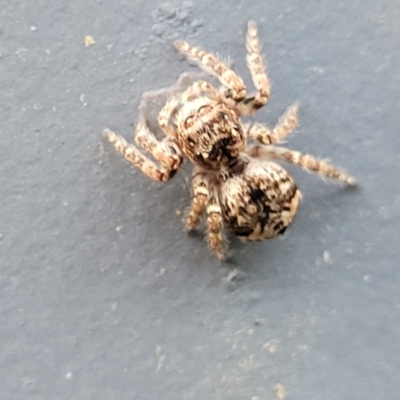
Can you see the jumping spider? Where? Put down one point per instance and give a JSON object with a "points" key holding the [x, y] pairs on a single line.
{"points": [[234, 180]]}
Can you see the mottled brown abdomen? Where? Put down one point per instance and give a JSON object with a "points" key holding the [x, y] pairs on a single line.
{"points": [[261, 202]]}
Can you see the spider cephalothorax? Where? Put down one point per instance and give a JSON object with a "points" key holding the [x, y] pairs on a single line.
{"points": [[209, 133], [235, 182]]}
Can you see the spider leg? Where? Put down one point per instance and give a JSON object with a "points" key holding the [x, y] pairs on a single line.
{"points": [[160, 150], [165, 115], [199, 87], [215, 224], [165, 151], [215, 67], [205, 198], [199, 201], [257, 69], [305, 161], [283, 128]]}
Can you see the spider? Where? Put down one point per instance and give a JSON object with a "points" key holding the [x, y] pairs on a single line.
{"points": [[235, 181]]}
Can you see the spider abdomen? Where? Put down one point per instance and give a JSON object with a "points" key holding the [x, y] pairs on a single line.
{"points": [[259, 203]]}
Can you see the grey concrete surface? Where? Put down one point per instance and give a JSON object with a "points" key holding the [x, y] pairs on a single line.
{"points": [[102, 294]]}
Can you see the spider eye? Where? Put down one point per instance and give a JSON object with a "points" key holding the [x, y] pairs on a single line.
{"points": [[223, 115], [204, 109], [191, 142], [235, 130], [189, 121], [228, 93]]}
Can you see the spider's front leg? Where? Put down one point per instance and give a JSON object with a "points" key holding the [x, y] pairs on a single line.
{"points": [[260, 79], [236, 87], [165, 115], [199, 87], [215, 67], [163, 151]]}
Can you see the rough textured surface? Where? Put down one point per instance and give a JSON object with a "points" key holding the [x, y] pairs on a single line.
{"points": [[103, 296]]}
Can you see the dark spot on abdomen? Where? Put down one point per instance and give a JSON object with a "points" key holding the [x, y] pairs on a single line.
{"points": [[256, 195], [244, 231], [282, 231]]}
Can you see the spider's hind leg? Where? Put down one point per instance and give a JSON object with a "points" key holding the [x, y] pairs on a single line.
{"points": [[305, 161]]}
